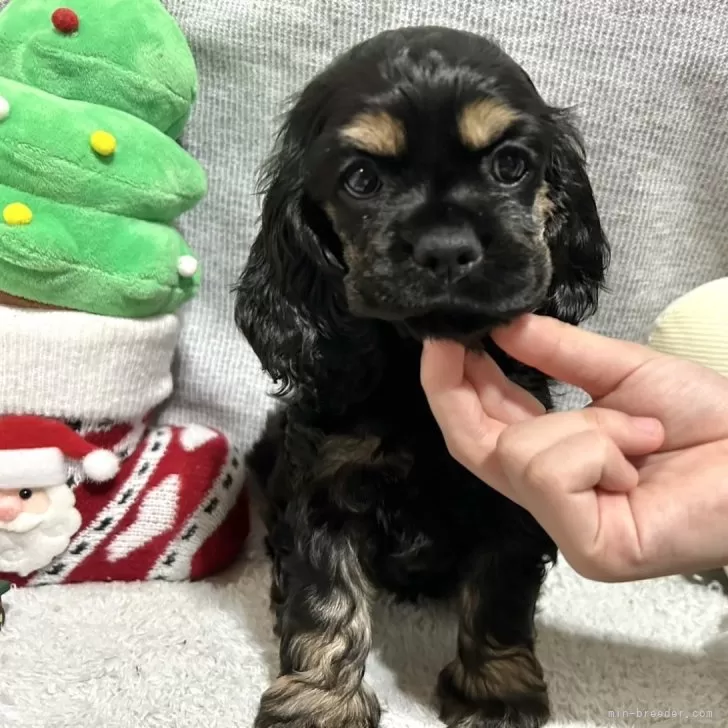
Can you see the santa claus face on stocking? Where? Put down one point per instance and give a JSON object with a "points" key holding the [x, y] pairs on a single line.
{"points": [[36, 524], [38, 513]]}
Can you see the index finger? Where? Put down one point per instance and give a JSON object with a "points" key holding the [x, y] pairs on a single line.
{"points": [[595, 363], [454, 401]]}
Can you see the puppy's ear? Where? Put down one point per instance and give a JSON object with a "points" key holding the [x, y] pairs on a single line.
{"points": [[282, 296], [291, 222], [290, 300], [579, 248]]}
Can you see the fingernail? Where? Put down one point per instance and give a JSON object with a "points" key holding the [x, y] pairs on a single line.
{"points": [[648, 425]]}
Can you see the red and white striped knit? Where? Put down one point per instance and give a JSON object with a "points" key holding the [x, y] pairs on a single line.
{"points": [[177, 508]]}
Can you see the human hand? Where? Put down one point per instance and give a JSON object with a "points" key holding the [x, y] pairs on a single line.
{"points": [[633, 486]]}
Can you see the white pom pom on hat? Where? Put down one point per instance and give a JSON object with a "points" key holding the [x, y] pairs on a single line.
{"points": [[100, 465], [34, 453]]}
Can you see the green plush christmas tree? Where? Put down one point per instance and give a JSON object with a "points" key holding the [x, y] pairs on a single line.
{"points": [[92, 177]]}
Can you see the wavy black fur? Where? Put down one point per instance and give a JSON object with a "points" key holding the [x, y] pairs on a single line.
{"points": [[359, 491]]}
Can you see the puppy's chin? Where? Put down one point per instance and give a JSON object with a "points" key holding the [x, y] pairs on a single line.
{"points": [[444, 316], [467, 328], [465, 324]]}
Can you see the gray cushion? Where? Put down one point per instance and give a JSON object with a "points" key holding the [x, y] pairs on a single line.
{"points": [[649, 78]]}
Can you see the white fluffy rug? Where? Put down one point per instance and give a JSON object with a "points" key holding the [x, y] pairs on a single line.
{"points": [[198, 655]]}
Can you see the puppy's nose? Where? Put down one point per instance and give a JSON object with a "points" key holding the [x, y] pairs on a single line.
{"points": [[449, 253]]}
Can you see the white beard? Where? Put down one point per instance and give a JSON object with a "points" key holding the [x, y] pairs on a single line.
{"points": [[22, 523], [24, 550]]}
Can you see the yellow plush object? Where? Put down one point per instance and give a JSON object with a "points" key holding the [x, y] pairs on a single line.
{"points": [[695, 327]]}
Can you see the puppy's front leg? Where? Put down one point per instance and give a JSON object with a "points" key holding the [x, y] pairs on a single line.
{"points": [[496, 680], [325, 629]]}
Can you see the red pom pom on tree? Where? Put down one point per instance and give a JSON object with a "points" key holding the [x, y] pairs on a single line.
{"points": [[65, 21]]}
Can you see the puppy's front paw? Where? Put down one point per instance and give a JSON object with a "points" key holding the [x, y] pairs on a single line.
{"points": [[522, 711], [468, 703], [292, 703]]}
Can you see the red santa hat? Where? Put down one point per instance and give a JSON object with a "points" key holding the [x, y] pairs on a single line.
{"points": [[34, 451]]}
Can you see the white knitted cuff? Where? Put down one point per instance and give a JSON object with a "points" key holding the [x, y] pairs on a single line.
{"points": [[72, 365]]}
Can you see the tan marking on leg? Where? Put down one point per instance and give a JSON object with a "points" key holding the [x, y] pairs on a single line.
{"points": [[502, 670], [294, 700], [322, 655], [342, 450], [326, 689], [503, 673], [482, 122], [376, 132]]}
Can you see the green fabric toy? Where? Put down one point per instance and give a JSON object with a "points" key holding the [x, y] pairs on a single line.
{"points": [[92, 101]]}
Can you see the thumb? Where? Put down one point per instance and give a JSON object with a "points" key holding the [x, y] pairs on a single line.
{"points": [[595, 363]]}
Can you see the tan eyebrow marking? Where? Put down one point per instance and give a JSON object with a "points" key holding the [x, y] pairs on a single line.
{"points": [[377, 133], [482, 122]]}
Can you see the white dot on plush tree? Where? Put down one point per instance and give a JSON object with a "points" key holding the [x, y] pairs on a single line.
{"points": [[187, 266]]}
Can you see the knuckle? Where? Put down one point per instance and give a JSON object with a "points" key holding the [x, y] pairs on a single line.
{"points": [[595, 417], [632, 558], [603, 420], [613, 566], [591, 564], [454, 448], [606, 572], [598, 443], [458, 450], [509, 446], [590, 569], [539, 473]]}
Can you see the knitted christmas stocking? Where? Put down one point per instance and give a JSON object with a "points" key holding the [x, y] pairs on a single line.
{"points": [[175, 509]]}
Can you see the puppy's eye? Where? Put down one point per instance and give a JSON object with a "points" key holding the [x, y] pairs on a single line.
{"points": [[25, 494], [361, 180], [510, 165]]}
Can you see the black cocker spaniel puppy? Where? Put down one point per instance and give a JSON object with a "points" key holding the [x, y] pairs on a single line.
{"points": [[420, 187]]}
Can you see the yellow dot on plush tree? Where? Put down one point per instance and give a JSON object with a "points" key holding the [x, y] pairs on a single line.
{"points": [[17, 214], [103, 143]]}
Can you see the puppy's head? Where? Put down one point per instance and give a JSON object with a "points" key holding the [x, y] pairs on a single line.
{"points": [[427, 183]]}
